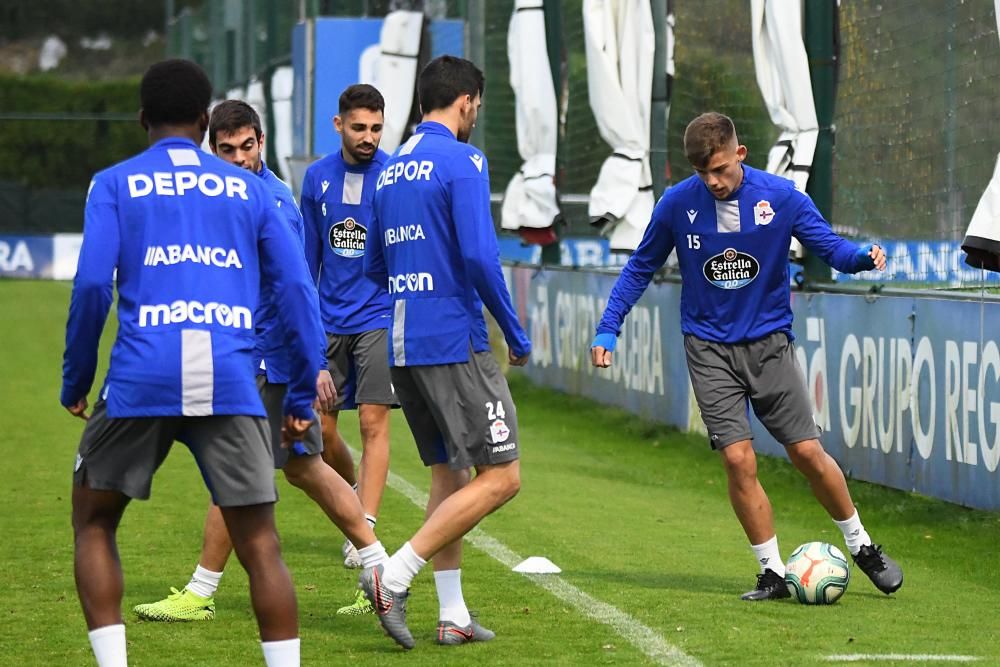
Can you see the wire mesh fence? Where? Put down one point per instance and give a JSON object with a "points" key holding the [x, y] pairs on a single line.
{"points": [[917, 109]]}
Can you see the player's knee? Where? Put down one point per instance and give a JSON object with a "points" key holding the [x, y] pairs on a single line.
{"points": [[510, 483], [298, 473], [739, 461], [807, 456]]}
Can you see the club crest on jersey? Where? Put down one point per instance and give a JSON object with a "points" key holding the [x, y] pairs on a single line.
{"points": [[731, 269], [763, 214], [347, 238]]}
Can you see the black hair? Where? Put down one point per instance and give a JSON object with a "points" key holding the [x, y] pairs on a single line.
{"points": [[231, 115], [445, 79], [361, 96], [174, 92]]}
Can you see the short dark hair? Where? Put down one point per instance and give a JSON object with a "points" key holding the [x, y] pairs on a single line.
{"points": [[445, 79], [361, 96], [705, 135], [231, 115], [174, 92]]}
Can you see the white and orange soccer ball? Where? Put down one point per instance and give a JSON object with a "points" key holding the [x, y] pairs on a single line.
{"points": [[817, 573]]}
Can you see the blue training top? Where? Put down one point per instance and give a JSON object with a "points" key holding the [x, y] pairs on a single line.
{"points": [[270, 354], [432, 243], [733, 256], [193, 238], [337, 206]]}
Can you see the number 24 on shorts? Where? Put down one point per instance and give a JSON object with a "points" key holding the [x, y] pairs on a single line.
{"points": [[495, 411]]}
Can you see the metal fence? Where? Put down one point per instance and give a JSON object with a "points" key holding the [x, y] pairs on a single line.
{"points": [[917, 114]]}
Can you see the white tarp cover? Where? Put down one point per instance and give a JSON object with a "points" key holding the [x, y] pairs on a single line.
{"points": [[982, 240], [619, 41], [282, 82], [396, 72], [782, 69], [530, 199]]}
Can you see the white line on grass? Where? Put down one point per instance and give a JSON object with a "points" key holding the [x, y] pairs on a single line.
{"points": [[639, 635], [899, 657]]}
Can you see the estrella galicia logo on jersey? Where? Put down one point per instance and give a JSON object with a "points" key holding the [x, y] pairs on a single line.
{"points": [[731, 269], [347, 238], [763, 214]]}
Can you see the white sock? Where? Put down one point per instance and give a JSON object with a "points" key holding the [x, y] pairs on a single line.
{"points": [[204, 582], [450, 600], [768, 556], [400, 569], [284, 653], [372, 555], [854, 533], [371, 520], [109, 645]]}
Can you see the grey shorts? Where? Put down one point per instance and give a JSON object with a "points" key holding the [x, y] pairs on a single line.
{"points": [[232, 451], [273, 396], [765, 373], [359, 364], [460, 414]]}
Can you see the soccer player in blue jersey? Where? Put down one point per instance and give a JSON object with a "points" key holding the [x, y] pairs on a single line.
{"points": [[432, 244], [336, 202], [235, 134], [192, 239], [731, 226]]}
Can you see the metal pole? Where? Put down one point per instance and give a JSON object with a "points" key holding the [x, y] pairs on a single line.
{"points": [[169, 9], [218, 36], [552, 254], [475, 50], [660, 100], [266, 75], [820, 36]]}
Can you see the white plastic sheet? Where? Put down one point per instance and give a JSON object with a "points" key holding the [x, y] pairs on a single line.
{"points": [[982, 239], [619, 40], [782, 69], [530, 199], [396, 72]]}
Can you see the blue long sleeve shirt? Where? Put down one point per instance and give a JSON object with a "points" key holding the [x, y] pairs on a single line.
{"points": [[271, 355], [733, 257], [433, 245], [337, 207], [192, 239]]}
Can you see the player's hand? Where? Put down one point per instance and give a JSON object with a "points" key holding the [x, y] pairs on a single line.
{"points": [[326, 392], [293, 430], [516, 360], [878, 256], [600, 357], [602, 348], [79, 409]]}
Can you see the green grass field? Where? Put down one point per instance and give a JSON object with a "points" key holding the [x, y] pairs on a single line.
{"points": [[635, 514]]}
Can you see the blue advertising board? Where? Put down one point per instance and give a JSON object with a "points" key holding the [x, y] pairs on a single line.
{"points": [[906, 390], [26, 256], [560, 310]]}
